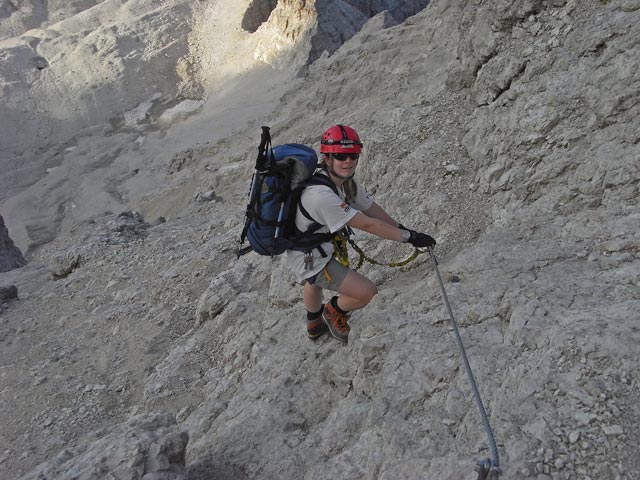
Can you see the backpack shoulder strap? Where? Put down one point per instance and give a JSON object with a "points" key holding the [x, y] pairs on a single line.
{"points": [[309, 239], [320, 179], [316, 179]]}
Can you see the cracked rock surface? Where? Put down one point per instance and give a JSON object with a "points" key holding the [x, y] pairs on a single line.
{"points": [[508, 130]]}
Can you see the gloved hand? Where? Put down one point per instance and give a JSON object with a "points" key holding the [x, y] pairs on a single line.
{"points": [[421, 240]]}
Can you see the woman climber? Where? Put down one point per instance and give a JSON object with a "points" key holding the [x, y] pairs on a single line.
{"points": [[346, 205]]}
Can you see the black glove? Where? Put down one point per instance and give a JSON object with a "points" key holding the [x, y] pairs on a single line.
{"points": [[421, 240]]}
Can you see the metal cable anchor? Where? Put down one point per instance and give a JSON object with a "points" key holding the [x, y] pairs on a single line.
{"points": [[487, 470]]}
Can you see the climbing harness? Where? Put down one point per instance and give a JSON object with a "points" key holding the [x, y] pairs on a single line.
{"points": [[341, 254], [488, 469]]}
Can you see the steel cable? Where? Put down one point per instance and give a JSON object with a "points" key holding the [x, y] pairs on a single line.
{"points": [[488, 466]]}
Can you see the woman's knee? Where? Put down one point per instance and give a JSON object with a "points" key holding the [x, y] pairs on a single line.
{"points": [[369, 292], [359, 288]]}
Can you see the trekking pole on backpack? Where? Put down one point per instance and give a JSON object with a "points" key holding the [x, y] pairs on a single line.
{"points": [[262, 162], [488, 469], [262, 165]]}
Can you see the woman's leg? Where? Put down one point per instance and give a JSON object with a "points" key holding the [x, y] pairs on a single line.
{"points": [[312, 297], [356, 291]]}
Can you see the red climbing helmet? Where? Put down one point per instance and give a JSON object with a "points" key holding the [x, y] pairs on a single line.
{"points": [[340, 139]]}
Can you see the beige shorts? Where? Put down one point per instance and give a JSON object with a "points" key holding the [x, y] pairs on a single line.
{"points": [[330, 277]]}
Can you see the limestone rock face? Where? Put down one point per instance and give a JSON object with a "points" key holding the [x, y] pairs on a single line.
{"points": [[287, 34], [257, 13], [149, 447], [339, 20], [333, 22], [19, 17], [90, 58], [506, 129], [10, 255], [549, 86]]}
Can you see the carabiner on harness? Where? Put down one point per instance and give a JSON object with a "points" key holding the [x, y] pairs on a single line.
{"points": [[340, 252]]}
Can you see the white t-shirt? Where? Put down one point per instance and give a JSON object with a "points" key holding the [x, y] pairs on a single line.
{"points": [[333, 213]]}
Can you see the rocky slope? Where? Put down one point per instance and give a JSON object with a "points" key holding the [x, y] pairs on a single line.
{"points": [[19, 17], [507, 129]]}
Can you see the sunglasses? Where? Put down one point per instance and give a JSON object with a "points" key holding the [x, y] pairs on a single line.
{"points": [[341, 157]]}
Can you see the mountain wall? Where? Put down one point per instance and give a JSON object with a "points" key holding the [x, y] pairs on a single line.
{"points": [[508, 130], [87, 68], [17, 18]]}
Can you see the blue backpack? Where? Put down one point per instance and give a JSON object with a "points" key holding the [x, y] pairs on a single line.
{"points": [[282, 172]]}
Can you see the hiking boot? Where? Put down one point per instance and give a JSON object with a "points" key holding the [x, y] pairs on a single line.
{"points": [[336, 322], [315, 328]]}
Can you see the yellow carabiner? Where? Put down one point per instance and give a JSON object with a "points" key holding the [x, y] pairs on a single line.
{"points": [[340, 249]]}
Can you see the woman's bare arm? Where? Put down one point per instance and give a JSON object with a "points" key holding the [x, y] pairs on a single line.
{"points": [[376, 211], [376, 226]]}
